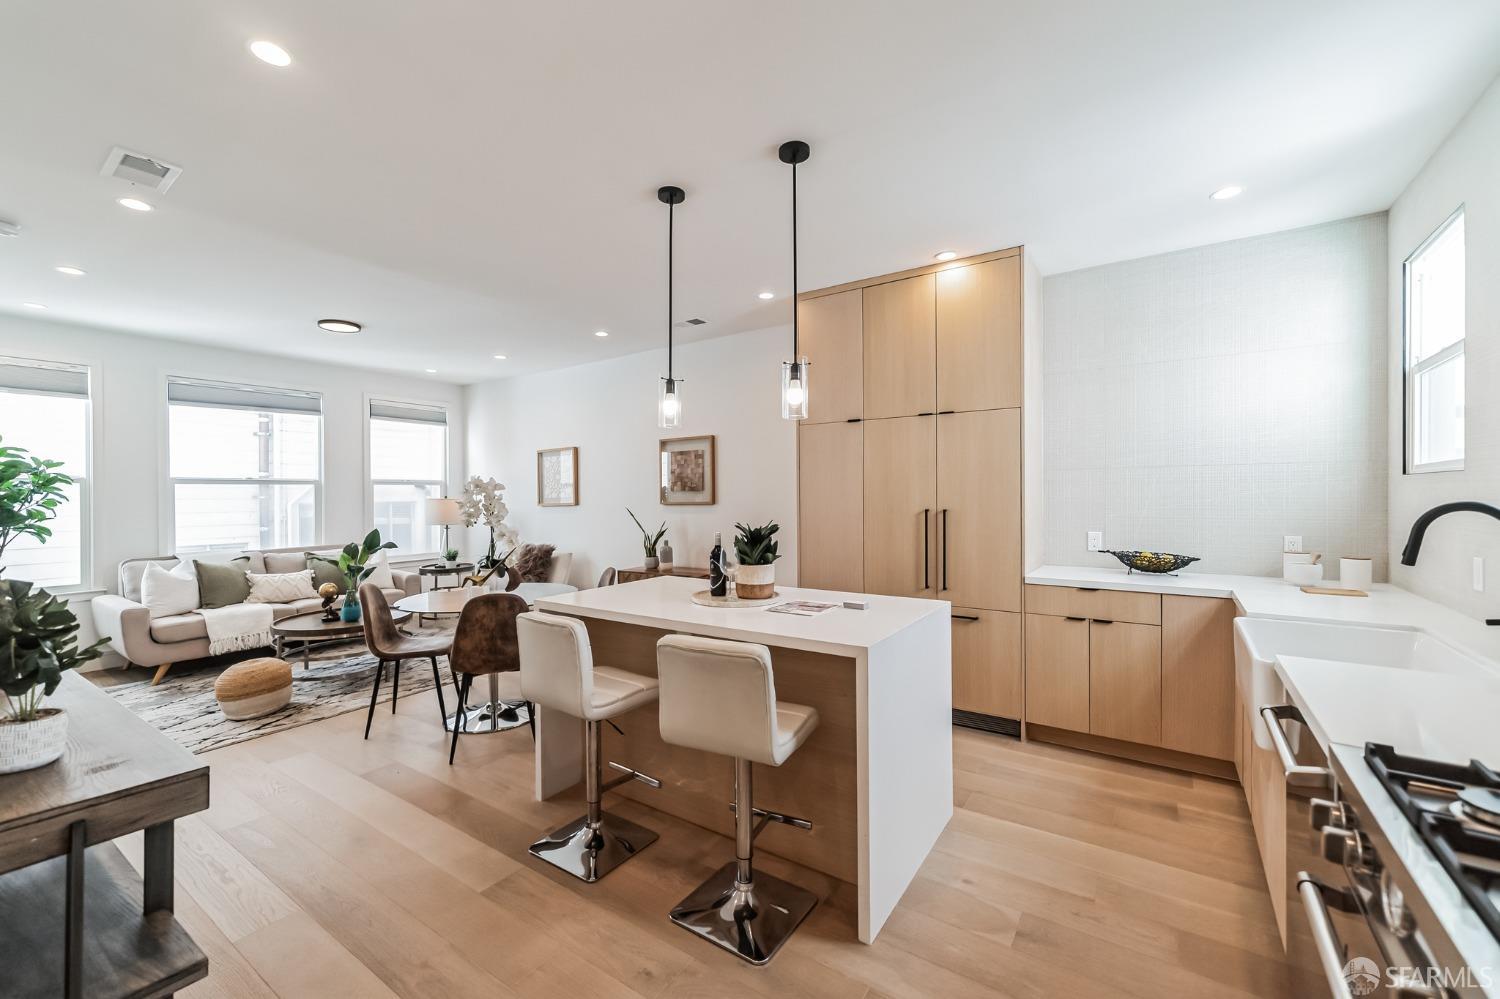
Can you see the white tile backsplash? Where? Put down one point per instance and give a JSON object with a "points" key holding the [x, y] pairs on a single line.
{"points": [[1211, 401]]}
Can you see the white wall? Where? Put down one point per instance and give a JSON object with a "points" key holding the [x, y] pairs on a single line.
{"points": [[1465, 170], [608, 410], [1210, 401], [128, 384]]}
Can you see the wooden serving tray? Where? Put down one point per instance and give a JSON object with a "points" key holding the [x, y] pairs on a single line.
{"points": [[1333, 591]]}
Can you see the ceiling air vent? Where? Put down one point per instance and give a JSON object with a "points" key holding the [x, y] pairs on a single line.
{"points": [[142, 171], [693, 322]]}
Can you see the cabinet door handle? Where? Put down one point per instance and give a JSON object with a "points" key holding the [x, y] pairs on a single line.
{"points": [[1087, 589], [945, 412], [1295, 773], [1097, 620], [854, 419], [966, 617], [926, 413], [944, 549], [926, 547], [1075, 619]]}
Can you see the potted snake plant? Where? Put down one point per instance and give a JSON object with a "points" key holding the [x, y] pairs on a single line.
{"points": [[755, 549]]}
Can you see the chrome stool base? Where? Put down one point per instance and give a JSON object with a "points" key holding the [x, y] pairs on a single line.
{"points": [[590, 852], [489, 716], [751, 921]]}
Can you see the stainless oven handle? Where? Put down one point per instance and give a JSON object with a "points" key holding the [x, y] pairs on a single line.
{"points": [[1330, 951], [1296, 773]]}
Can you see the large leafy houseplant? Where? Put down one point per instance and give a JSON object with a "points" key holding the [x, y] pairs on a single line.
{"points": [[755, 549], [353, 563], [31, 490], [38, 644]]}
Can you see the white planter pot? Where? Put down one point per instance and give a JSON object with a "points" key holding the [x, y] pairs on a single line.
{"points": [[755, 582], [28, 745]]}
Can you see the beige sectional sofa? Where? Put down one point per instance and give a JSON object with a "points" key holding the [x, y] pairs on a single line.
{"points": [[132, 632]]}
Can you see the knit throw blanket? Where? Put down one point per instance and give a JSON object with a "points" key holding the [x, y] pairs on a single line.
{"points": [[238, 627]]}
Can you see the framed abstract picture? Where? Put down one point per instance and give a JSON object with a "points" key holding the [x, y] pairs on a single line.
{"points": [[557, 477], [688, 471]]}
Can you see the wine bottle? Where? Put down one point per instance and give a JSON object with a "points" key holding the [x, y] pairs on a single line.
{"points": [[718, 585]]}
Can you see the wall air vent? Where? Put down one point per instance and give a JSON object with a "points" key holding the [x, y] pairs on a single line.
{"points": [[143, 171], [693, 322]]}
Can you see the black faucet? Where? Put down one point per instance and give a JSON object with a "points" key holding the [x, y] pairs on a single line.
{"points": [[1419, 529]]}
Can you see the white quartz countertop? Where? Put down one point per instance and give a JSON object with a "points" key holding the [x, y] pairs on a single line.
{"points": [[666, 602]]}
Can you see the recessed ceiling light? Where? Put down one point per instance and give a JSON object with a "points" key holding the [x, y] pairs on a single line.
{"points": [[499, 357], [270, 52], [430, 371], [601, 332], [344, 327], [70, 271], [134, 204], [766, 296], [946, 255], [1225, 193], [34, 305]]}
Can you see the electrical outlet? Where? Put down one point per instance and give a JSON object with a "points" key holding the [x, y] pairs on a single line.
{"points": [[1096, 541], [1478, 574], [1291, 543]]}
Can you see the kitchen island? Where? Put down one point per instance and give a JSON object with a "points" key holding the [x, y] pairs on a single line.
{"points": [[875, 779]]}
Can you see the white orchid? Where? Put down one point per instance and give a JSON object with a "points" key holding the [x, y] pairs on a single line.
{"points": [[483, 503]]}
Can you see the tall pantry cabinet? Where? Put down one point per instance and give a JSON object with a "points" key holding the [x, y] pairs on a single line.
{"points": [[910, 459]]}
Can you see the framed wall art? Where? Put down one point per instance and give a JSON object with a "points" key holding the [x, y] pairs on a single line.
{"points": [[688, 471], [557, 477]]}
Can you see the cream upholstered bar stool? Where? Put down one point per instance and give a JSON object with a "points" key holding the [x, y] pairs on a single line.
{"points": [[558, 672], [720, 697]]}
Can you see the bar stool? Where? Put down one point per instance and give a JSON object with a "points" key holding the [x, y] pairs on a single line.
{"points": [[558, 672], [720, 697]]}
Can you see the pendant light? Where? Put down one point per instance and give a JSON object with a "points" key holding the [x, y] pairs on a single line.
{"points": [[794, 372], [669, 401]]}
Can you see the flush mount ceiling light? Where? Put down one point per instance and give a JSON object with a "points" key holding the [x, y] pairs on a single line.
{"points": [[270, 52], [601, 332], [945, 256], [430, 371], [343, 327], [34, 305], [70, 271], [669, 401], [766, 296], [794, 372], [134, 204], [1225, 193]]}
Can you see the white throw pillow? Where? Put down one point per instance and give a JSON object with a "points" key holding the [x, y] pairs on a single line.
{"points": [[280, 587], [167, 592], [381, 576]]}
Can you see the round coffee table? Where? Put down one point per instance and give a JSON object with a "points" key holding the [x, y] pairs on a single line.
{"points": [[310, 629]]}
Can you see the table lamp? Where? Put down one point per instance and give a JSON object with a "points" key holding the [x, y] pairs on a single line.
{"points": [[445, 512]]}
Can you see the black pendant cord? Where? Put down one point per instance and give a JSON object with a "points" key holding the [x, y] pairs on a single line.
{"points": [[671, 211], [795, 355]]}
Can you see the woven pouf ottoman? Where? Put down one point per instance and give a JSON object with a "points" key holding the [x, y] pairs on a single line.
{"points": [[254, 688]]}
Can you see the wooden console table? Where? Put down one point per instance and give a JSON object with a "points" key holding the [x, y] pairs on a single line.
{"points": [[79, 921], [640, 572]]}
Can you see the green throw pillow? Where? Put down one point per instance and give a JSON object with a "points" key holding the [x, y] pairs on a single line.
{"points": [[324, 572], [221, 584]]}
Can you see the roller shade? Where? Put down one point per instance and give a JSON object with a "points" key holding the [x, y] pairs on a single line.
{"points": [[224, 395], [38, 378], [407, 412]]}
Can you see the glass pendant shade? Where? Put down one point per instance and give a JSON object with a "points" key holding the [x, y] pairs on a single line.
{"points": [[794, 389], [669, 404]]}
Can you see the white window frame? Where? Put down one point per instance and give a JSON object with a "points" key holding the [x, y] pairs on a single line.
{"points": [[169, 496], [1412, 370], [371, 482], [91, 413]]}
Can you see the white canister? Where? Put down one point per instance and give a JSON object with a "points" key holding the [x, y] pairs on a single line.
{"points": [[1356, 572], [1304, 574], [1290, 559]]}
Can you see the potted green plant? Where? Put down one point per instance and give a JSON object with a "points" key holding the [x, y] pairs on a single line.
{"points": [[755, 549], [649, 540], [31, 490], [38, 643], [450, 556], [353, 562]]}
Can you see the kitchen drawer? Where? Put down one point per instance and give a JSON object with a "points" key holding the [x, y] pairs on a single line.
{"points": [[1125, 606]]}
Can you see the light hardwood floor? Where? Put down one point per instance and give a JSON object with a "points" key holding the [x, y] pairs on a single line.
{"points": [[330, 867]]}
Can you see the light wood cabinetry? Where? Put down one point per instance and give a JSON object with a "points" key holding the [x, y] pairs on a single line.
{"points": [[979, 508], [830, 469], [1197, 675], [900, 487], [987, 662], [1106, 605], [1125, 681], [1057, 672], [832, 338], [900, 349], [979, 336]]}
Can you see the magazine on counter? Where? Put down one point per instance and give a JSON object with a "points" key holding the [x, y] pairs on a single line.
{"points": [[801, 608]]}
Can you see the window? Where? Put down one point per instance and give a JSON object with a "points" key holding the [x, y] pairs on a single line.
{"points": [[245, 466], [44, 408], [408, 466], [1434, 276]]}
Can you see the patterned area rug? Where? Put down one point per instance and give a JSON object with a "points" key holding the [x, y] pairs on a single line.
{"points": [[338, 681]]}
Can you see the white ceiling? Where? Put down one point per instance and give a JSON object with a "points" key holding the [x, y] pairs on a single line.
{"points": [[471, 178]]}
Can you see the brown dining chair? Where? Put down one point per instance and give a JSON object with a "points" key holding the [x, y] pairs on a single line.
{"points": [[484, 642], [388, 645], [609, 577]]}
